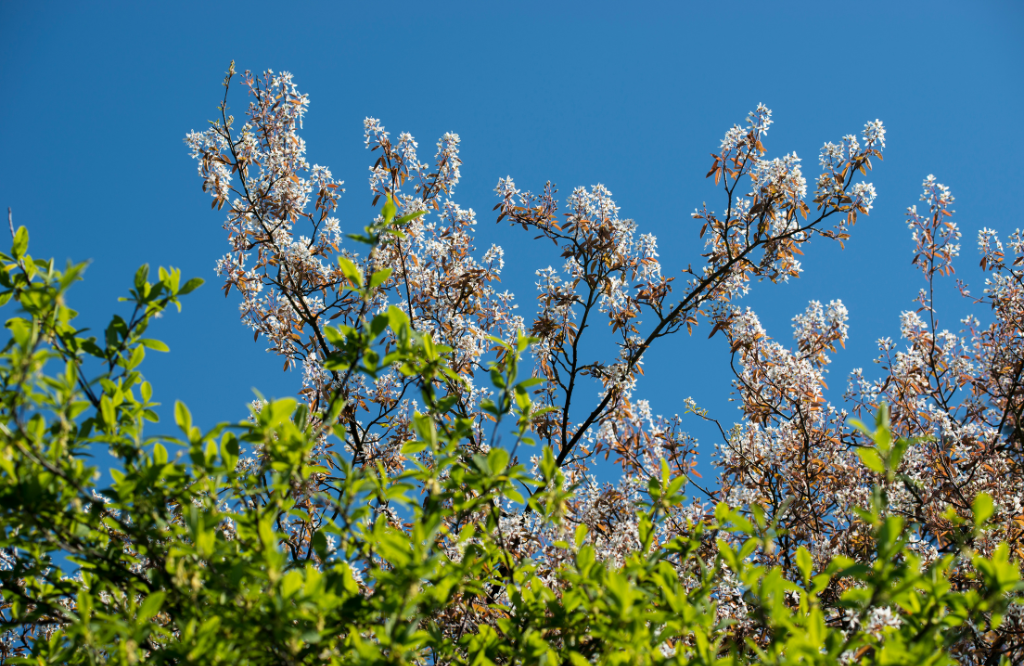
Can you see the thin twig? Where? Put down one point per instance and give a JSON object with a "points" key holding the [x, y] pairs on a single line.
{"points": [[10, 221]]}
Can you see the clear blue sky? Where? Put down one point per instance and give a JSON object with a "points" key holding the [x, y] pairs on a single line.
{"points": [[96, 98]]}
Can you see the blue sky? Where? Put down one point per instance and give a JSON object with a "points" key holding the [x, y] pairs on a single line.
{"points": [[98, 96]]}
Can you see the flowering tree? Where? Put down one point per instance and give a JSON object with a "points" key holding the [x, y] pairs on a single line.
{"points": [[380, 519], [794, 457]]}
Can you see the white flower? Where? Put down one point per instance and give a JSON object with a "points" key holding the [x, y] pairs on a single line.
{"points": [[862, 195], [880, 619], [874, 134]]}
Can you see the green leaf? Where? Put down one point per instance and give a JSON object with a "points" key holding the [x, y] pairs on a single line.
{"points": [[140, 277], [581, 535], [898, 449], [279, 411], [883, 426], [21, 331], [412, 447], [758, 512], [398, 318], [871, 459], [229, 451], [319, 543], [182, 417], [20, 243], [191, 286], [138, 355], [741, 523], [151, 606], [410, 217], [389, 210], [108, 412], [156, 345], [983, 509], [804, 562], [350, 271], [497, 459], [379, 278]]}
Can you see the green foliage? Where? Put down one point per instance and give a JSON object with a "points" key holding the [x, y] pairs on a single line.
{"points": [[185, 558]]}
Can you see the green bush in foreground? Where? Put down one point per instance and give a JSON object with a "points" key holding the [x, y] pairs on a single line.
{"points": [[190, 556]]}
